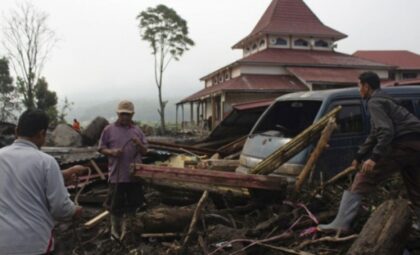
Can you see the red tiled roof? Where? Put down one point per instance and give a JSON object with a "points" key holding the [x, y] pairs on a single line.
{"points": [[291, 17], [401, 58], [330, 75], [252, 83], [410, 82], [314, 58]]}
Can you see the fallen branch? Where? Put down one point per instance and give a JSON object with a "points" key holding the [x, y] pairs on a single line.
{"points": [[334, 239], [284, 249], [195, 218]]}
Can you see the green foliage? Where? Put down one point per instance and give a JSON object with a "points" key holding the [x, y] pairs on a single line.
{"points": [[8, 96], [164, 29], [167, 34], [46, 100]]}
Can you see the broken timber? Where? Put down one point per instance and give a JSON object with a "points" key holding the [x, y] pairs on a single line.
{"points": [[208, 177], [296, 145]]}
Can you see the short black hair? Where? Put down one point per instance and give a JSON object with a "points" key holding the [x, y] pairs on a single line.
{"points": [[31, 122], [370, 78]]}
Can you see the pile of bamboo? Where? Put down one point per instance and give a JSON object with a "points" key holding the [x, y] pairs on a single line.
{"points": [[296, 145]]}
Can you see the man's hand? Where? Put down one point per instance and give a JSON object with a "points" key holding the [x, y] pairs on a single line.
{"points": [[70, 174], [115, 152], [368, 166], [78, 212]]}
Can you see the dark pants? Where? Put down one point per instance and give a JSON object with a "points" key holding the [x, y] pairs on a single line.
{"points": [[124, 198], [405, 159]]}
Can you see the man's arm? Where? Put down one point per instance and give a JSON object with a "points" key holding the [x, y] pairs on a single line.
{"points": [[59, 203]]}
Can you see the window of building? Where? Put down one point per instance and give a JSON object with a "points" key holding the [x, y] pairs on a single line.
{"points": [[254, 46], [409, 75], [280, 41], [227, 76], [301, 43], [262, 42], [321, 44]]}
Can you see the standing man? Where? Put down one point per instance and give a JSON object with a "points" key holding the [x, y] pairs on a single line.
{"points": [[32, 192], [123, 143], [393, 145]]}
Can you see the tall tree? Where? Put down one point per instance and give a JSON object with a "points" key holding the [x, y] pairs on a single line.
{"points": [[46, 100], [167, 34], [28, 41], [8, 95]]}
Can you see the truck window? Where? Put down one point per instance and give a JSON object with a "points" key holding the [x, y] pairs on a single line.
{"points": [[350, 119], [408, 104], [289, 117]]}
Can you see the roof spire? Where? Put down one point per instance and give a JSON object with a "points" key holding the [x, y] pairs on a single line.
{"points": [[290, 17]]}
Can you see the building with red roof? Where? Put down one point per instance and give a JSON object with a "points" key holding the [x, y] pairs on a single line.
{"points": [[406, 64], [288, 50]]}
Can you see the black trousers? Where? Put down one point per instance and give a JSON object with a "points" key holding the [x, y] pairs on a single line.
{"points": [[124, 198]]}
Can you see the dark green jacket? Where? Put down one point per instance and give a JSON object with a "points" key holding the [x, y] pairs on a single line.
{"points": [[389, 121]]}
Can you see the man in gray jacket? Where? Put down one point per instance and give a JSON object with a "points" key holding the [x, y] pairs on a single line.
{"points": [[32, 191], [393, 145]]}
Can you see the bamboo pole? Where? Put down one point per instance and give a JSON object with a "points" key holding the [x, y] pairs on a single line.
{"points": [[320, 147], [296, 145]]}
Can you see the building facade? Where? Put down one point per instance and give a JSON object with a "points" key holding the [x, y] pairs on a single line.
{"points": [[289, 50]]}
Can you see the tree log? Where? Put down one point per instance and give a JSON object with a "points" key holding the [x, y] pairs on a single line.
{"points": [[386, 231]]}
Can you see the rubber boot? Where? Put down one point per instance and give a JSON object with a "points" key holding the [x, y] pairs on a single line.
{"points": [[125, 223], [349, 206], [115, 226]]}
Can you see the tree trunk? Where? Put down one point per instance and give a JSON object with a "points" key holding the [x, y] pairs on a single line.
{"points": [[386, 230]]}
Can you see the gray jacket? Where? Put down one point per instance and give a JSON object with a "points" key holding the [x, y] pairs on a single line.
{"points": [[389, 121]]}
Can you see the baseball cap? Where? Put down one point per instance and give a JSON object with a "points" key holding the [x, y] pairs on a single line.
{"points": [[125, 106]]}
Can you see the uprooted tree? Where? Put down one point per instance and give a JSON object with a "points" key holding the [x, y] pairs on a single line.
{"points": [[167, 34], [28, 41]]}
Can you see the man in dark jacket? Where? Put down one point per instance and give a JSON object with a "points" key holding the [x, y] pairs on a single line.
{"points": [[393, 145]]}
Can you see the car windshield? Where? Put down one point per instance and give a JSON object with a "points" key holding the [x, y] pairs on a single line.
{"points": [[289, 117]]}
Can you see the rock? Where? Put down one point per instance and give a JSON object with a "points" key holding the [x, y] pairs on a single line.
{"points": [[65, 136], [92, 132]]}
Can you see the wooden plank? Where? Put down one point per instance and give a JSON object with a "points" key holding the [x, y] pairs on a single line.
{"points": [[227, 179]]}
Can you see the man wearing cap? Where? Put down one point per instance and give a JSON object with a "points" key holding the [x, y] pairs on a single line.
{"points": [[123, 143]]}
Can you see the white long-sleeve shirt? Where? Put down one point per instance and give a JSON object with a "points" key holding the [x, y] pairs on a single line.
{"points": [[32, 196]]}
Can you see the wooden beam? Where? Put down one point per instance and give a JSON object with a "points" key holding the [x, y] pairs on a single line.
{"points": [[204, 176]]}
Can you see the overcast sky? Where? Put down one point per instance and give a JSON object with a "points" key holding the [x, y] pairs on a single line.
{"points": [[100, 55]]}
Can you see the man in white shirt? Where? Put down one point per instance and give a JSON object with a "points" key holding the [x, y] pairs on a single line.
{"points": [[32, 191]]}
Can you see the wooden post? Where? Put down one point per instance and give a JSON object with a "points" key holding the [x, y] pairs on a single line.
{"points": [[176, 118], [320, 147]]}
